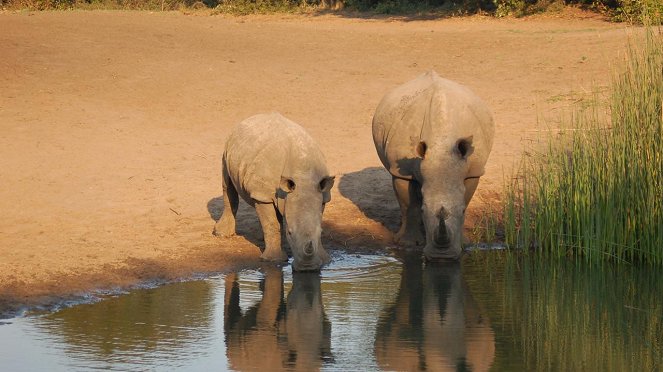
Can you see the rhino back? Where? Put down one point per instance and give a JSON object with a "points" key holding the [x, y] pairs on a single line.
{"points": [[431, 109], [265, 147]]}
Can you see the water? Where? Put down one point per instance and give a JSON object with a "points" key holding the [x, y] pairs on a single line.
{"points": [[362, 313]]}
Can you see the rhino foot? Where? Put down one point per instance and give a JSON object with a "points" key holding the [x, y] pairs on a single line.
{"points": [[224, 229], [273, 255]]}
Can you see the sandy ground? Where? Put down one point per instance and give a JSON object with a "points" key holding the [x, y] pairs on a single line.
{"points": [[112, 125]]}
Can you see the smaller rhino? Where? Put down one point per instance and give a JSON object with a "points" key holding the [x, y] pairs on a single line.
{"points": [[277, 168]]}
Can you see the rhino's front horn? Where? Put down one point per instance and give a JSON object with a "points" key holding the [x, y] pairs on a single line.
{"points": [[308, 249], [441, 239]]}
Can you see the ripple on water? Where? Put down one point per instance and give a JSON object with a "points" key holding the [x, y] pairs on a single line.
{"points": [[354, 268]]}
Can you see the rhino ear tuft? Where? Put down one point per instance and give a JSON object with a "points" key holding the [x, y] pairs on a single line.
{"points": [[326, 184], [287, 184], [464, 147], [421, 148]]}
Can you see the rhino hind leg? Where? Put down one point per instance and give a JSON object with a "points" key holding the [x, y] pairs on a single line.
{"points": [[408, 194], [271, 229], [226, 225]]}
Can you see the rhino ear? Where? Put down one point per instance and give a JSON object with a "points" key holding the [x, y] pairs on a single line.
{"points": [[287, 184], [326, 183], [420, 149], [464, 147]]}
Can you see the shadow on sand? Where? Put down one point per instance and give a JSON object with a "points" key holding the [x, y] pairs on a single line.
{"points": [[247, 226], [371, 191]]}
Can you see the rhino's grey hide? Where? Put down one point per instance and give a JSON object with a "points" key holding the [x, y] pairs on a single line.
{"points": [[275, 166], [434, 136]]}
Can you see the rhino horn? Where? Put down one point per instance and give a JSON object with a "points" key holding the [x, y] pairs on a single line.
{"points": [[308, 249], [441, 239]]}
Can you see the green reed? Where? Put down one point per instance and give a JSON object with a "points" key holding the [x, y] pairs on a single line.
{"points": [[557, 315], [595, 191]]}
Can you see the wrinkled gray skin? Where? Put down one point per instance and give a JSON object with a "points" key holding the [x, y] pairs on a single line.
{"points": [[434, 137], [276, 167]]}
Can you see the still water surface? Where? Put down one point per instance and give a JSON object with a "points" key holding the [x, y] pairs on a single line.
{"points": [[362, 313]]}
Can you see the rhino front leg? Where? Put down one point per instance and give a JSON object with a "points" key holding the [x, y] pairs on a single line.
{"points": [[409, 198], [226, 225], [271, 229]]}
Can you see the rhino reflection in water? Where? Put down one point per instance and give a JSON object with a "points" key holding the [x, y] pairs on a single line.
{"points": [[435, 324], [276, 334]]}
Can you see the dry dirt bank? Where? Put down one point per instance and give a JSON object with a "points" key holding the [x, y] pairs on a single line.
{"points": [[112, 125]]}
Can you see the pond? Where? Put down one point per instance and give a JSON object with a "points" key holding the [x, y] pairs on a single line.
{"points": [[362, 313]]}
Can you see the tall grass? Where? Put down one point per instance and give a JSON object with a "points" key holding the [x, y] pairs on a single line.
{"points": [[561, 316], [596, 191]]}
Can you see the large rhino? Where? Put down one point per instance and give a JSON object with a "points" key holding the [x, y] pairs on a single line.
{"points": [[434, 137], [276, 167]]}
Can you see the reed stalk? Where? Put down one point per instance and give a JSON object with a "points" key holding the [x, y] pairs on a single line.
{"points": [[596, 191]]}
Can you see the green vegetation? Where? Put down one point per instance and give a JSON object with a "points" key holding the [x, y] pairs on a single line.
{"points": [[619, 10], [596, 191], [102, 4], [633, 10], [224, 6], [563, 316], [243, 7]]}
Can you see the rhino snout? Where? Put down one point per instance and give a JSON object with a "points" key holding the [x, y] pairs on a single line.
{"points": [[311, 259], [309, 255], [308, 249], [443, 237]]}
